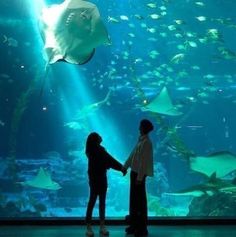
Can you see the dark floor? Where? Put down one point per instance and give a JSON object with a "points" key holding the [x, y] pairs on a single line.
{"points": [[117, 231]]}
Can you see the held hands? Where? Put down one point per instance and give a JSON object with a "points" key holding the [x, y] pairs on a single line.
{"points": [[138, 182], [124, 171]]}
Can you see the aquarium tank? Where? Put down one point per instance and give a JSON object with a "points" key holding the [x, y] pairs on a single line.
{"points": [[72, 67]]}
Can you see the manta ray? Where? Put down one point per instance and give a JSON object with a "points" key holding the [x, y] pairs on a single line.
{"points": [[162, 104], [42, 180], [221, 163], [71, 31], [209, 188]]}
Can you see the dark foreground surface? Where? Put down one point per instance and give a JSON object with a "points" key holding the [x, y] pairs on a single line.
{"points": [[118, 231]]}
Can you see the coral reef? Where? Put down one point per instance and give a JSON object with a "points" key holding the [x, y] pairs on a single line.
{"points": [[22, 208], [220, 204], [159, 183]]}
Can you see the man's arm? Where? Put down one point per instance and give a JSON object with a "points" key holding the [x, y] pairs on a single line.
{"points": [[128, 162]]}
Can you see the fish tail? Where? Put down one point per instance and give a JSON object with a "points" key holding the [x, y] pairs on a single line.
{"points": [[4, 38]]}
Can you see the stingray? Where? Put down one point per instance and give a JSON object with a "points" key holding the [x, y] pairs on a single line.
{"points": [[81, 117], [162, 104], [91, 108], [213, 186], [222, 163], [42, 180], [71, 31]]}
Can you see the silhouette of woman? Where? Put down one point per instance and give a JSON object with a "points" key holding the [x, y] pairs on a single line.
{"points": [[99, 160]]}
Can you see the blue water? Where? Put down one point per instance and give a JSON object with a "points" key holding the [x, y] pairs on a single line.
{"points": [[37, 107]]}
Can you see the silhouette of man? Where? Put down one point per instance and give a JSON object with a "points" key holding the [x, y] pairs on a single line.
{"points": [[141, 163]]}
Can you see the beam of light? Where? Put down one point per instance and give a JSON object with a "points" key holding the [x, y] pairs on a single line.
{"points": [[35, 10], [36, 7], [71, 104], [84, 97]]}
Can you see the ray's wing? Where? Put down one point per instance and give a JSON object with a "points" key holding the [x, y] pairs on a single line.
{"points": [[42, 180], [222, 163], [74, 33], [162, 104]]}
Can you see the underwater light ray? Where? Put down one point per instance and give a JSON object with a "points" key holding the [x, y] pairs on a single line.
{"points": [[72, 101], [76, 79], [22, 101], [96, 120]]}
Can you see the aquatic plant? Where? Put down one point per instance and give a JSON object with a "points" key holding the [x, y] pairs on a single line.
{"points": [[3, 199], [40, 207], [154, 206], [21, 106]]}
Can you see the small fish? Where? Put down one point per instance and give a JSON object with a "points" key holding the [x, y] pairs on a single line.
{"points": [[151, 5], [152, 39], [201, 18], [200, 4], [171, 147], [226, 53], [178, 35], [124, 18], [162, 8], [190, 34], [151, 30], [203, 95], [209, 76], [163, 13], [226, 132], [179, 22], [195, 67], [214, 35], [132, 35], [192, 44], [10, 41], [139, 17], [112, 19], [177, 58], [194, 127], [143, 25], [131, 25], [182, 74], [2, 123], [153, 54], [138, 60], [183, 88], [203, 40], [171, 27], [163, 34], [155, 16]]}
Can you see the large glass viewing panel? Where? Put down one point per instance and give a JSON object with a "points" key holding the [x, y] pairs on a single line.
{"points": [[66, 71]]}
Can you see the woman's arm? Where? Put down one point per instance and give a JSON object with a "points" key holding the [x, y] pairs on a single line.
{"points": [[111, 162]]}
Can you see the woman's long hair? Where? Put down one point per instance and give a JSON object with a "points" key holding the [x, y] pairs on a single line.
{"points": [[93, 141]]}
